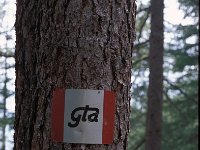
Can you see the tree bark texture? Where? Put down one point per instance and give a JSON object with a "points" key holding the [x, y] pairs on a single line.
{"points": [[155, 90], [78, 44]]}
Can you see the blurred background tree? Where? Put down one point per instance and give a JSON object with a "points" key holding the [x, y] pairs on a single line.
{"points": [[180, 104]]}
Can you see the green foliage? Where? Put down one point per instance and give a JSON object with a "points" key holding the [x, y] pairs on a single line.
{"points": [[180, 104], [190, 7], [137, 134], [7, 121], [180, 123], [185, 51], [6, 53]]}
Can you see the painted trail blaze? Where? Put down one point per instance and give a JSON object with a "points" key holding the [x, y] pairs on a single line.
{"points": [[83, 116]]}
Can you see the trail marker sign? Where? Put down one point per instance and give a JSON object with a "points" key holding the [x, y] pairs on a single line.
{"points": [[83, 116]]}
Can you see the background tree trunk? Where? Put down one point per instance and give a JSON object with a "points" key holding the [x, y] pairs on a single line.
{"points": [[155, 91], [70, 44]]}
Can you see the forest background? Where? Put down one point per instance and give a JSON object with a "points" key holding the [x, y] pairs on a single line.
{"points": [[180, 90]]}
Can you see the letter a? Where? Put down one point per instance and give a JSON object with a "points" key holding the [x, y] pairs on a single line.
{"points": [[94, 116]]}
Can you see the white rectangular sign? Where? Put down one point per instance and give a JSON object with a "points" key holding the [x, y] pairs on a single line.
{"points": [[83, 116]]}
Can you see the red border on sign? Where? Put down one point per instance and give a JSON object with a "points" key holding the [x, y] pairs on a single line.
{"points": [[108, 117], [58, 104]]}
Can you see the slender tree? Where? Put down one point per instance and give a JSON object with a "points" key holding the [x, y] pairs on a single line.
{"points": [[70, 44], [180, 109], [155, 90]]}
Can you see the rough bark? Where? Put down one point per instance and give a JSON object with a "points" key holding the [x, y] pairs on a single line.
{"points": [[155, 90], [70, 44]]}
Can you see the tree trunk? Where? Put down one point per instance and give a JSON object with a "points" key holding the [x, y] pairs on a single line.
{"points": [[154, 111], [79, 44]]}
